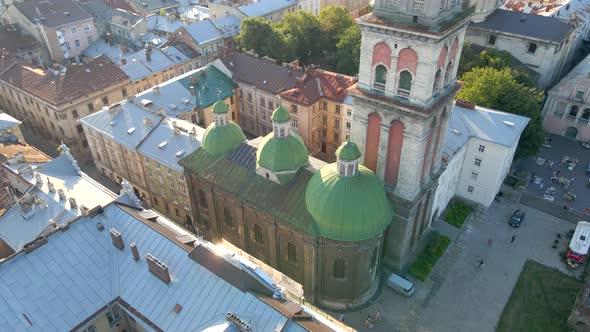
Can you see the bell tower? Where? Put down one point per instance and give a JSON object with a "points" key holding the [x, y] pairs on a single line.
{"points": [[410, 50]]}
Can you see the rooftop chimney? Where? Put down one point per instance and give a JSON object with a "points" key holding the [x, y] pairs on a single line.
{"points": [[148, 53], [36, 243], [192, 90], [61, 194], [117, 238], [465, 104], [123, 61], [193, 134], [73, 203], [240, 324], [38, 180], [134, 251], [156, 90], [159, 269], [50, 186], [147, 121]]}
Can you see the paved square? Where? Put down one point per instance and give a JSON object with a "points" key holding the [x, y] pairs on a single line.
{"points": [[561, 146], [458, 295]]}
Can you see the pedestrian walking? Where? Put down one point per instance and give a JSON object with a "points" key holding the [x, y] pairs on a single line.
{"points": [[513, 238], [371, 325], [377, 315], [481, 263], [367, 321], [549, 140], [341, 318]]}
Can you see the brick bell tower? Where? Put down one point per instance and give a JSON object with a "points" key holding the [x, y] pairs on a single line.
{"points": [[407, 83]]}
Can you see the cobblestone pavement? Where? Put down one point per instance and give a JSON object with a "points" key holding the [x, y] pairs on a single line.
{"points": [[458, 295], [561, 146]]}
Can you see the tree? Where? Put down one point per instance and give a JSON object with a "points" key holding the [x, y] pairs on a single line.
{"points": [[300, 31], [257, 34], [499, 89], [334, 21], [348, 51]]}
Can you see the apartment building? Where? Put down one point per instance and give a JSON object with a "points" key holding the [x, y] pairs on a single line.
{"points": [[130, 142], [317, 106], [260, 81], [117, 23], [62, 25], [567, 108], [53, 101], [204, 37], [152, 66], [191, 96], [356, 8]]}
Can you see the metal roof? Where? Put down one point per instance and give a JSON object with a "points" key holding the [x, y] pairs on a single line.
{"points": [[79, 271], [53, 13], [138, 66], [265, 7], [486, 124], [6, 121], [528, 25], [204, 32]]}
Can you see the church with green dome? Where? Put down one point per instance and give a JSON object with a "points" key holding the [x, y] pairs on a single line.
{"points": [[321, 225]]}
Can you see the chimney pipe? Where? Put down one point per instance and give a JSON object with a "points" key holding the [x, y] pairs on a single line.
{"points": [[134, 251], [117, 238], [192, 90], [148, 53]]}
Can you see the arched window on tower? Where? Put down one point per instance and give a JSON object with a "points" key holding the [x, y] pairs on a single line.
{"points": [[448, 73], [339, 269], [227, 217], [258, 238], [380, 78], [437, 78], [405, 84], [373, 261], [203, 199], [573, 113]]}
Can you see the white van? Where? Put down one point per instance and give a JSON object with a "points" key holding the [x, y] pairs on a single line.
{"points": [[400, 285]]}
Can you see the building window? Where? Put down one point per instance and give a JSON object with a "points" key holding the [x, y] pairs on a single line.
{"points": [[294, 109], [105, 101], [325, 120], [380, 78], [74, 30], [124, 92], [227, 217], [291, 252], [262, 101], [336, 137], [337, 123], [492, 40], [474, 175], [86, 27], [532, 48], [250, 109], [339, 269], [294, 123], [349, 112], [324, 105], [270, 105], [405, 80], [90, 107], [113, 316], [579, 95], [347, 125], [79, 128], [202, 199], [337, 109], [75, 114], [68, 47], [477, 162], [258, 238], [249, 97], [482, 148], [469, 189]]}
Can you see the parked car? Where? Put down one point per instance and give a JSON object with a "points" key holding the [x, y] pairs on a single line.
{"points": [[516, 218], [400, 285]]}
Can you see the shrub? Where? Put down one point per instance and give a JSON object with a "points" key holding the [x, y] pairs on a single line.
{"points": [[435, 248], [457, 212]]}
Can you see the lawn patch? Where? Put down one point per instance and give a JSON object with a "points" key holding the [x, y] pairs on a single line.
{"points": [[435, 248], [541, 300], [456, 213]]}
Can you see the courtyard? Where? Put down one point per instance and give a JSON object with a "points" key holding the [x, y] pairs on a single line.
{"points": [[560, 147], [461, 296]]}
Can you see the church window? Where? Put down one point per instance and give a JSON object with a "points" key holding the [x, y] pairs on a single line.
{"points": [[437, 79], [258, 238], [291, 252], [339, 269], [202, 199], [351, 169], [227, 217], [341, 169], [380, 78], [405, 80], [448, 72]]}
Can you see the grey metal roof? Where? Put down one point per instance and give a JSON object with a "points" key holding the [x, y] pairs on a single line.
{"points": [[6, 121], [528, 25], [265, 7], [79, 271], [52, 13], [263, 74], [204, 32]]}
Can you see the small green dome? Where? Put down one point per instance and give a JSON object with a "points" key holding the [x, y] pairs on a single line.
{"points": [[222, 139], [351, 208], [281, 153], [348, 151], [281, 115], [220, 107]]}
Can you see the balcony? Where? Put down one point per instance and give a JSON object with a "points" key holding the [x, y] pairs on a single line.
{"points": [[403, 93], [583, 122], [378, 86], [571, 118]]}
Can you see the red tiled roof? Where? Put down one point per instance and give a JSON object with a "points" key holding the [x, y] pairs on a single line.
{"points": [[75, 81], [319, 84]]}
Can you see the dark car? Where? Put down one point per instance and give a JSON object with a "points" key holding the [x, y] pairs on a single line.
{"points": [[516, 218]]}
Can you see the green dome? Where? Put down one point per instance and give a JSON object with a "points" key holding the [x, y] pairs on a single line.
{"points": [[351, 208], [281, 115], [281, 154], [220, 107], [348, 151], [222, 139]]}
